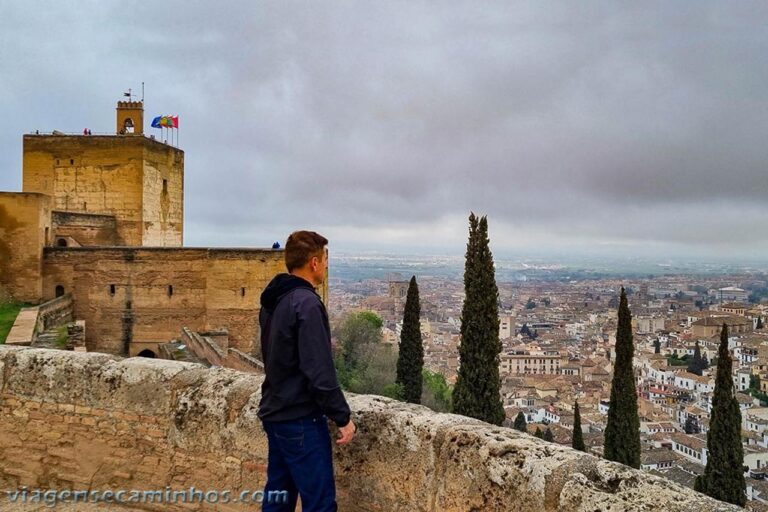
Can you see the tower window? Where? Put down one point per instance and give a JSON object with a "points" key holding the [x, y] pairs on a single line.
{"points": [[242, 292], [165, 186], [59, 290], [170, 290], [112, 289], [61, 242], [71, 161]]}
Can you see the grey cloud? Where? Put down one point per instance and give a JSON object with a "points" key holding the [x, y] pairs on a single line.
{"points": [[553, 118]]}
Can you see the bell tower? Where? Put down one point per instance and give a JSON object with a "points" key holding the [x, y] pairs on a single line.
{"points": [[130, 118]]}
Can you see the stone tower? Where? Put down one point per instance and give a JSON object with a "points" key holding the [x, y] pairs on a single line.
{"points": [[130, 118], [109, 190]]}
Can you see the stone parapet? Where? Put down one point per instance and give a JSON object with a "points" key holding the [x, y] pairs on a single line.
{"points": [[89, 420]]}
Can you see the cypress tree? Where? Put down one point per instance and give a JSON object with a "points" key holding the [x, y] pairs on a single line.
{"points": [[723, 478], [548, 436], [657, 346], [410, 360], [538, 433], [622, 432], [477, 390], [520, 423], [578, 435], [759, 323], [697, 364]]}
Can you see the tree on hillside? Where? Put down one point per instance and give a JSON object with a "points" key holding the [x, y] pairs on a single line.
{"points": [[759, 323], [436, 393], [410, 359], [364, 364], [578, 436], [358, 330], [520, 423], [477, 390], [548, 436], [696, 365], [657, 346], [622, 432], [723, 478], [538, 433]]}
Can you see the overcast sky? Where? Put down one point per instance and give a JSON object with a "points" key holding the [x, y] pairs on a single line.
{"points": [[585, 126]]}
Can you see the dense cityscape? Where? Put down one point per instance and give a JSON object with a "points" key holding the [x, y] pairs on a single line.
{"points": [[558, 334]]}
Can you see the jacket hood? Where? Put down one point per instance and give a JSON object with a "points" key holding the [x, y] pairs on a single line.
{"points": [[279, 286]]}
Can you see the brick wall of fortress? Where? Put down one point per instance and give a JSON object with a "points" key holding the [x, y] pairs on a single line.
{"points": [[112, 175], [87, 229], [212, 288], [84, 420], [23, 222]]}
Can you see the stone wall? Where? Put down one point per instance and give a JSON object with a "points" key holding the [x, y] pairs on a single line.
{"points": [[163, 196], [206, 348], [128, 295], [54, 313], [84, 420], [101, 175], [25, 223], [106, 175], [88, 229]]}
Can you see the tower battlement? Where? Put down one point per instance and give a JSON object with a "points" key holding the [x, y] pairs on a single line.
{"points": [[130, 117]]}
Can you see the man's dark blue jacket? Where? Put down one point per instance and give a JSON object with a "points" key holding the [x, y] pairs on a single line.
{"points": [[296, 347]]}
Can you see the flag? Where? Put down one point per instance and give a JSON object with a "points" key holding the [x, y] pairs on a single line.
{"points": [[165, 122]]}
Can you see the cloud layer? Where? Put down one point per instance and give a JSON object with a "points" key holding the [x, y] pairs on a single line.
{"points": [[383, 124]]}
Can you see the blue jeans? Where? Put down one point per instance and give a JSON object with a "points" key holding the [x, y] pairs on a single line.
{"points": [[300, 462]]}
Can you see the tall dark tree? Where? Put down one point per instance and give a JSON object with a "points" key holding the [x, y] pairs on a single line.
{"points": [[759, 323], [578, 435], [477, 390], [723, 478], [548, 436], [520, 423], [657, 346], [538, 433], [622, 432], [696, 365], [410, 360]]}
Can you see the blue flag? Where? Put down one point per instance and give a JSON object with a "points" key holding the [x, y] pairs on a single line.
{"points": [[156, 122]]}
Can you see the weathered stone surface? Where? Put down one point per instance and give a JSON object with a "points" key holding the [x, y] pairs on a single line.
{"points": [[24, 223], [407, 457], [134, 295], [91, 420]]}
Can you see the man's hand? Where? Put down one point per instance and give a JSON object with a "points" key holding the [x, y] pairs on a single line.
{"points": [[346, 433]]}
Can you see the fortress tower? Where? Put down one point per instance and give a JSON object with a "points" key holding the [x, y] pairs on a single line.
{"points": [[101, 217], [119, 190]]}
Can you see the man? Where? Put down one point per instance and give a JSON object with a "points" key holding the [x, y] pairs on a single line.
{"points": [[300, 390]]}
